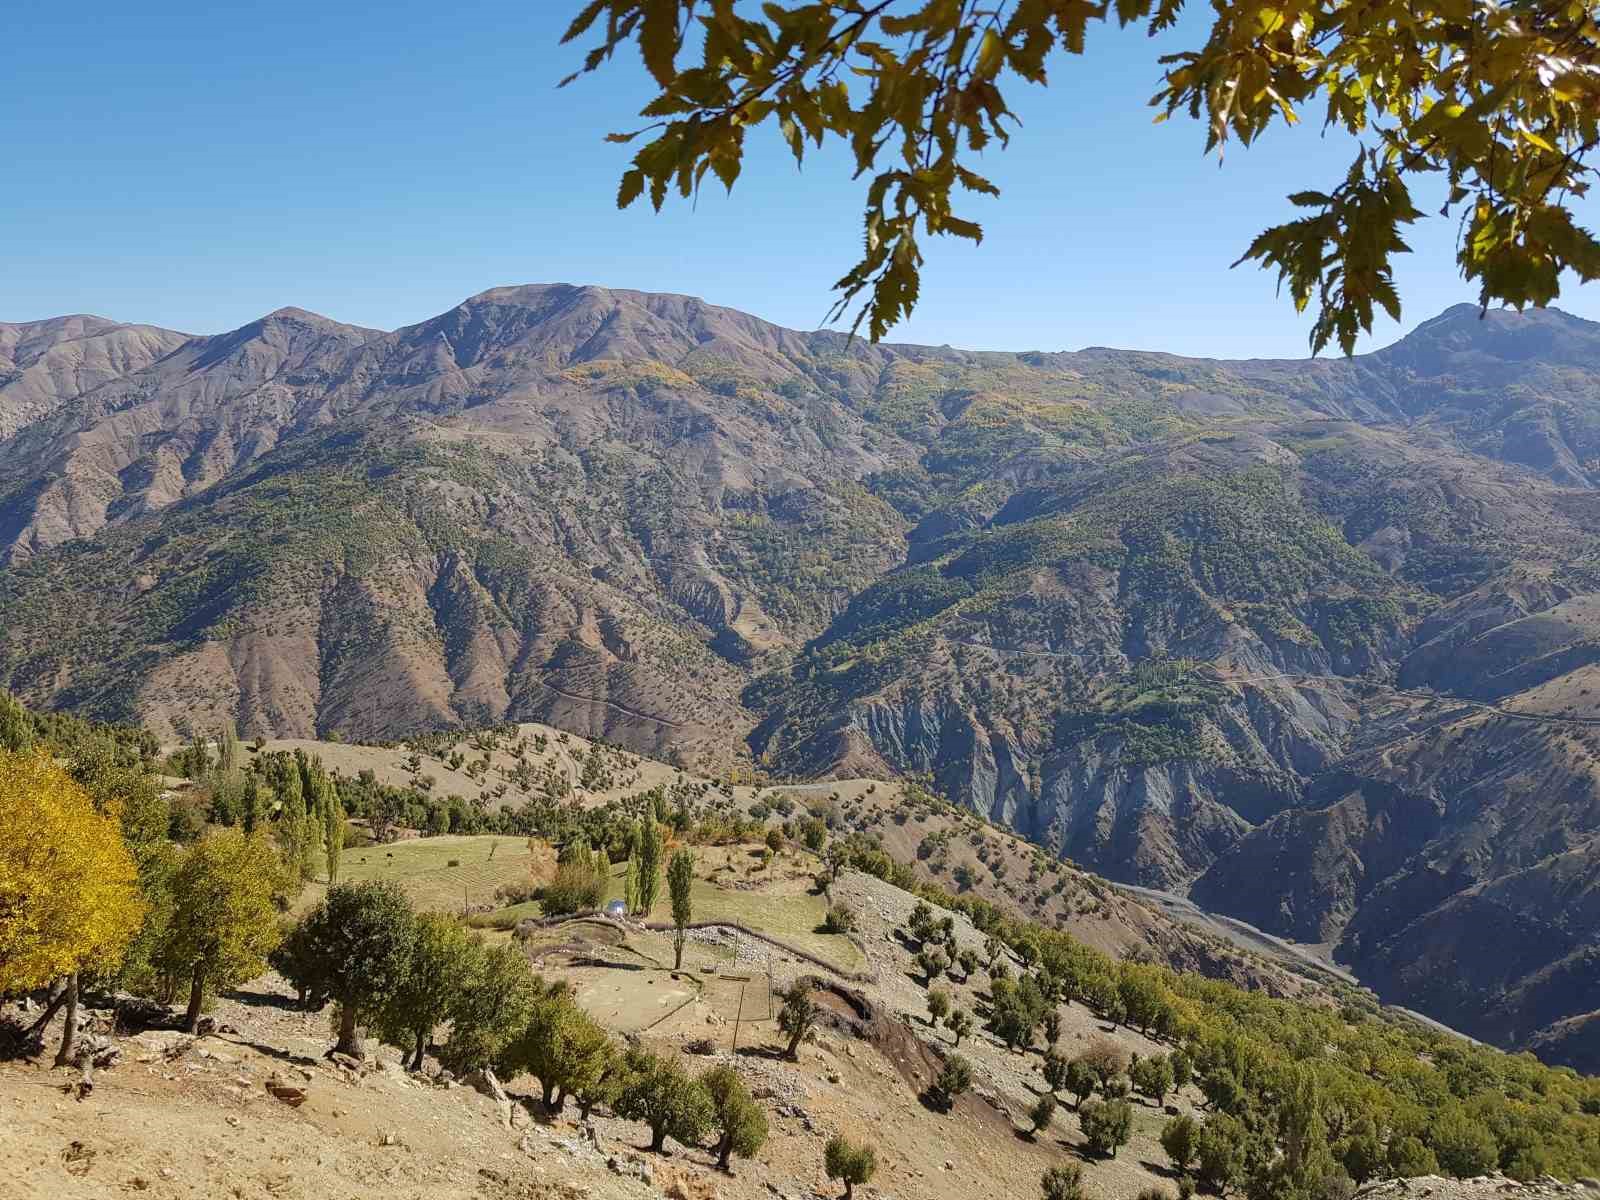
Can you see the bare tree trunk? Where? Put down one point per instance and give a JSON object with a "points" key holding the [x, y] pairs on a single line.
{"points": [[422, 1049], [69, 1032], [349, 1039], [197, 995], [57, 997]]}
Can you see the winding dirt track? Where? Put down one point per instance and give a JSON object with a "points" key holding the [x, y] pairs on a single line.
{"points": [[1326, 683], [631, 712]]}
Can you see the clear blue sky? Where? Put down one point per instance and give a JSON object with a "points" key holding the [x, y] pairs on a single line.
{"points": [[195, 166]]}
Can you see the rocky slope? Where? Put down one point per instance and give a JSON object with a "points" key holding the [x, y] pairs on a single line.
{"points": [[1320, 641]]}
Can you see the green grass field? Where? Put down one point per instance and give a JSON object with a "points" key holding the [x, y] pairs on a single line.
{"points": [[423, 868], [444, 873], [790, 918], [788, 912]]}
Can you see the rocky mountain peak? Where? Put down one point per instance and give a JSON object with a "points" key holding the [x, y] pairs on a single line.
{"points": [[1465, 338]]}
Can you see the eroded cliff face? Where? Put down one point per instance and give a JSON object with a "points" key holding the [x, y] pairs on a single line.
{"points": [[1099, 801]]}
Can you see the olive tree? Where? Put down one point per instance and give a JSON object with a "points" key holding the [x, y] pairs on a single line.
{"points": [[223, 923], [443, 956], [740, 1122], [358, 950], [659, 1092], [798, 1014], [849, 1163]]}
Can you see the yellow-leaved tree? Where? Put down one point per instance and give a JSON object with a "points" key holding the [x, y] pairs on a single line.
{"points": [[224, 922], [69, 893], [1499, 101]]}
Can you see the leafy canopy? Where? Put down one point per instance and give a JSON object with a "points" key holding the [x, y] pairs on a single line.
{"points": [[740, 1122], [444, 956], [658, 1091], [846, 1161], [69, 896], [493, 1000], [224, 922], [358, 943], [1501, 101], [560, 1044]]}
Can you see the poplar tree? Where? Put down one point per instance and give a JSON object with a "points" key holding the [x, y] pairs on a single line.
{"points": [[320, 798], [250, 814], [630, 887], [333, 836], [227, 750], [680, 879], [291, 817], [649, 852]]}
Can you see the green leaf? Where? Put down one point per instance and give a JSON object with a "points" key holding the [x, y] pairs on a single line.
{"points": [[658, 39], [632, 187]]}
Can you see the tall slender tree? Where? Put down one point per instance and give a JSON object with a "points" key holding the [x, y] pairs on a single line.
{"points": [[650, 848], [291, 814], [630, 886], [680, 879], [227, 750], [333, 836]]}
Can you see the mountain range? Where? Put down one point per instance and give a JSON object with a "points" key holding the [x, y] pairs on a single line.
{"points": [[1314, 642]]}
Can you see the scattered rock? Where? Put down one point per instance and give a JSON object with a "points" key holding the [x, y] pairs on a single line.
{"points": [[632, 1167], [485, 1083], [294, 1097], [78, 1158]]}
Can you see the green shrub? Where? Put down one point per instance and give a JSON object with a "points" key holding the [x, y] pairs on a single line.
{"points": [[1107, 1125], [577, 887], [839, 919], [1064, 1182], [849, 1163]]}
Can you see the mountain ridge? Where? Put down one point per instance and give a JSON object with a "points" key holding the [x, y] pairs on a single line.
{"points": [[1192, 623]]}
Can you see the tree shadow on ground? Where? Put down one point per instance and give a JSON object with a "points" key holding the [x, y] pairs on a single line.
{"points": [[253, 999], [1080, 1150], [268, 1051], [773, 1053]]}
